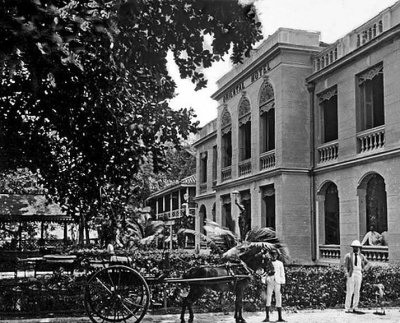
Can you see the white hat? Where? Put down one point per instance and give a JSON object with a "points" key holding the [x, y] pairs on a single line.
{"points": [[356, 243]]}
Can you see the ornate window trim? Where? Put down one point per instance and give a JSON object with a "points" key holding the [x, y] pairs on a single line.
{"points": [[267, 93], [225, 118], [370, 74], [243, 120], [328, 94], [226, 130], [244, 107], [266, 107]]}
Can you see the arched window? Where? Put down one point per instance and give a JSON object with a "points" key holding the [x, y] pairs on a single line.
{"points": [[244, 129], [372, 197], [226, 134], [328, 215], [332, 229], [376, 204], [267, 117]]}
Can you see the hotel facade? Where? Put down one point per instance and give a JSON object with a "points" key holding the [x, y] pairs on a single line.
{"points": [[307, 138]]}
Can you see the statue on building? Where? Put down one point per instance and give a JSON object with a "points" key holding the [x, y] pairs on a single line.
{"points": [[242, 220]]}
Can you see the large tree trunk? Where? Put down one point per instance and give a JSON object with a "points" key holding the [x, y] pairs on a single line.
{"points": [[87, 233], [81, 229], [20, 235], [65, 233]]}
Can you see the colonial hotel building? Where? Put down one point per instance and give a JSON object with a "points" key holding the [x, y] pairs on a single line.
{"points": [[308, 137]]}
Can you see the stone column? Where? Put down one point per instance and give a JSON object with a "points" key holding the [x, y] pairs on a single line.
{"points": [[361, 213], [320, 221]]}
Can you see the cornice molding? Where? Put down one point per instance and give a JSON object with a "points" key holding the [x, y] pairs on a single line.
{"points": [[267, 56], [202, 140], [205, 196], [261, 175]]}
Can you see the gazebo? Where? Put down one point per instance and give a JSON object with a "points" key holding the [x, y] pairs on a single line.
{"points": [[18, 209]]}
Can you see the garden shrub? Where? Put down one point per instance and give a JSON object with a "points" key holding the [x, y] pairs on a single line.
{"points": [[311, 287]]}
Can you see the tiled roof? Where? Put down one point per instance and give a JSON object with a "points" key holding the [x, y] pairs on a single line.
{"points": [[190, 180], [185, 182], [30, 207]]}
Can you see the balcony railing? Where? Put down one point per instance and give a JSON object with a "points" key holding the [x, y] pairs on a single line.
{"points": [[329, 251], [326, 58], [328, 152], [226, 173], [369, 32], [376, 253], [203, 188], [371, 139], [373, 253], [245, 167], [357, 38], [267, 160], [175, 214]]}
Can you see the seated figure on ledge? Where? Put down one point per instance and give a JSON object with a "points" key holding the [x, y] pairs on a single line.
{"points": [[385, 238], [372, 238]]}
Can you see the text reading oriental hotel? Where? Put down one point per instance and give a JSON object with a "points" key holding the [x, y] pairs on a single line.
{"points": [[308, 135]]}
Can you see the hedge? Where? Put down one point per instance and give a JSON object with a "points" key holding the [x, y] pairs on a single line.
{"points": [[307, 287]]}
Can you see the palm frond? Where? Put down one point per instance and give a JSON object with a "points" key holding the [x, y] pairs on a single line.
{"points": [[134, 228], [219, 231], [150, 239], [283, 252], [140, 228], [194, 232], [222, 237], [231, 253], [212, 242], [153, 228], [261, 235], [258, 240], [219, 243]]}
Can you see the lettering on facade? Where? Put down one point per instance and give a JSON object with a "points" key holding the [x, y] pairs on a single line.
{"points": [[240, 86], [233, 91], [260, 72]]}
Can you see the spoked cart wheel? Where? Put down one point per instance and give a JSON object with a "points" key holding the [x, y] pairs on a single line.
{"points": [[116, 294]]}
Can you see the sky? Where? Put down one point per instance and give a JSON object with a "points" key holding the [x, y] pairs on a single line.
{"points": [[333, 18]]}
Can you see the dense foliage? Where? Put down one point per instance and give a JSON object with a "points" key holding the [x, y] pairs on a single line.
{"points": [[306, 287], [19, 181], [84, 87], [180, 163]]}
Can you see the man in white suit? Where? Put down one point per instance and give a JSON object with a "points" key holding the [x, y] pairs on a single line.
{"points": [[274, 282], [354, 263]]}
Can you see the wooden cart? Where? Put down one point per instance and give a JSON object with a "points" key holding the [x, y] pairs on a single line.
{"points": [[118, 292]]}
